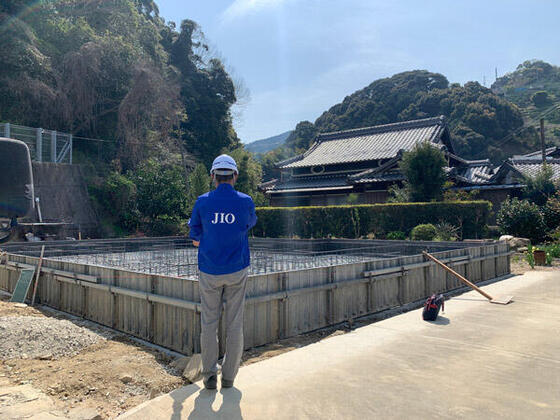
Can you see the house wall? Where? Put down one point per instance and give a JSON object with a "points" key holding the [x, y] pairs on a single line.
{"points": [[328, 199], [282, 200], [496, 197], [373, 197]]}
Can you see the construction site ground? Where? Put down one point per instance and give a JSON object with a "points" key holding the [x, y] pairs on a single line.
{"points": [[116, 373]]}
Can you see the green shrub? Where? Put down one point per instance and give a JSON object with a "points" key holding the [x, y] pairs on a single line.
{"points": [[540, 98], [425, 232], [551, 212], [396, 235], [492, 232], [446, 232], [370, 219], [530, 256], [117, 199], [554, 250], [540, 187], [521, 218], [165, 225], [423, 170]]}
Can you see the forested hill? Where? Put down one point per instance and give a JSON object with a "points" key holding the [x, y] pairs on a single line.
{"points": [[478, 118], [483, 124], [115, 70], [535, 88]]}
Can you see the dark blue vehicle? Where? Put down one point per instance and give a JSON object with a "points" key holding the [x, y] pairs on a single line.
{"points": [[16, 185]]}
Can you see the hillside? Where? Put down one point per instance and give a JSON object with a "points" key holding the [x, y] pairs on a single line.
{"points": [[117, 71], [535, 88], [268, 144], [152, 90], [483, 124]]}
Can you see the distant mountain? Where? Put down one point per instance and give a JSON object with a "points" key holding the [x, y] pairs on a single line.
{"points": [[481, 122], [268, 144]]}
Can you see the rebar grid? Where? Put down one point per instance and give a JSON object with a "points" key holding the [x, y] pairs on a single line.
{"points": [[177, 257]]}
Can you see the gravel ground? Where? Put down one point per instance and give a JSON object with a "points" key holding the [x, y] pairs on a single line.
{"points": [[29, 337]]}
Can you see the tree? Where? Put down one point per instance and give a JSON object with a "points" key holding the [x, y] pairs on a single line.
{"points": [[301, 138], [250, 175], [423, 170], [540, 98], [161, 190], [540, 187], [198, 183], [521, 218], [207, 94]]}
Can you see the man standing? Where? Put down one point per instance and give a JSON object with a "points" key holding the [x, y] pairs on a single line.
{"points": [[219, 224]]}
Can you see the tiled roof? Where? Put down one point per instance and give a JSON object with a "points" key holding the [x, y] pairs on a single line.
{"points": [[553, 152], [531, 167], [477, 172], [371, 143], [315, 182], [268, 185], [389, 176]]}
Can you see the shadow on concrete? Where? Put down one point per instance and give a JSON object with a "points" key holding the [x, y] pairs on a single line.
{"points": [[480, 299], [441, 320], [179, 396], [230, 408]]}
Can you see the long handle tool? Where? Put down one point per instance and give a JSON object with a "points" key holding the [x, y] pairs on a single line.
{"points": [[503, 300]]}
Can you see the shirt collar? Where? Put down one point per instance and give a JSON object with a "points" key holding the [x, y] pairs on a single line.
{"points": [[224, 187]]}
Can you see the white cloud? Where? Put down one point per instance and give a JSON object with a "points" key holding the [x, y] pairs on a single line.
{"points": [[241, 8]]}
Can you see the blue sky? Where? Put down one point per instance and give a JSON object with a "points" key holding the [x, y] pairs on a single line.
{"points": [[297, 58]]}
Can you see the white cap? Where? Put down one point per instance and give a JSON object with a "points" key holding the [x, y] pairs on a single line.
{"points": [[224, 165]]}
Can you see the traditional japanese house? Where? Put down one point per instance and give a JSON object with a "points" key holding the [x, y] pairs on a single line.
{"points": [[359, 166]]}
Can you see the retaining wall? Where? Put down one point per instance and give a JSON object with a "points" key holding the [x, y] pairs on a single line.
{"points": [[166, 310]]}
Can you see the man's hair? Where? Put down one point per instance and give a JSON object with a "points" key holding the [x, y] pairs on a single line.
{"points": [[223, 178]]}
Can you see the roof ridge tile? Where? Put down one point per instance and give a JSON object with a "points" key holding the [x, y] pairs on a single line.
{"points": [[424, 122]]}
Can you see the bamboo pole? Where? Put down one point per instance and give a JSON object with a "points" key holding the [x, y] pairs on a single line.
{"points": [[460, 277], [37, 274]]}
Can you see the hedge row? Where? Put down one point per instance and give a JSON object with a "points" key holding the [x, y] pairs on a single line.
{"points": [[355, 221]]}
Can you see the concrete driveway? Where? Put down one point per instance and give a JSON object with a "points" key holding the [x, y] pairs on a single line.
{"points": [[479, 360]]}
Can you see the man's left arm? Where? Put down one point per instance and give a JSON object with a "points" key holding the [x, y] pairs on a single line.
{"points": [[252, 215]]}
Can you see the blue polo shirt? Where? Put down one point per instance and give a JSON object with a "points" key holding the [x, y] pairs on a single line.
{"points": [[221, 220]]}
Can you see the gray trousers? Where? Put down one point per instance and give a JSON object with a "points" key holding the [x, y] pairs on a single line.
{"points": [[215, 290]]}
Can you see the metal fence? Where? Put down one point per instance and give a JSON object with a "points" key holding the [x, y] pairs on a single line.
{"points": [[44, 145]]}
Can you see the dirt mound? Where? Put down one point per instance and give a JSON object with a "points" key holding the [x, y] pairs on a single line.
{"points": [[30, 337]]}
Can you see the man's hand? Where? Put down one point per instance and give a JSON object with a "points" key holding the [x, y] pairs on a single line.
{"points": [[196, 243]]}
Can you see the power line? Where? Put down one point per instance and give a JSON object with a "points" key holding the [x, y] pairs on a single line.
{"points": [[533, 121]]}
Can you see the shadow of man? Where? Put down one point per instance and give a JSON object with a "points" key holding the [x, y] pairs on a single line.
{"points": [[179, 397], [230, 408]]}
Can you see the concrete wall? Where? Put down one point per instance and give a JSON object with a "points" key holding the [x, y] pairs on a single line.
{"points": [[63, 195]]}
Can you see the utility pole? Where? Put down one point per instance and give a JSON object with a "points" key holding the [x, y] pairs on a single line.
{"points": [[496, 70], [542, 142]]}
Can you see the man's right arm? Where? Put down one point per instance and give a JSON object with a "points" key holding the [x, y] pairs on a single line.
{"points": [[195, 224]]}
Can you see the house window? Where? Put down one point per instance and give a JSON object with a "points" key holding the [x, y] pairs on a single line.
{"points": [[318, 169]]}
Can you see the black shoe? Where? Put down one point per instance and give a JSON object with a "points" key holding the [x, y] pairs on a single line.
{"points": [[226, 383], [211, 382]]}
